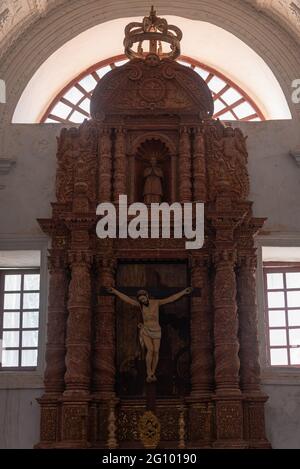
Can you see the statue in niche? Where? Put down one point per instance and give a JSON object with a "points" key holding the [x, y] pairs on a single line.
{"points": [[150, 330], [153, 188]]}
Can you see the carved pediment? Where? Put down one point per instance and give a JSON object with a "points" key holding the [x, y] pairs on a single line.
{"points": [[151, 85]]}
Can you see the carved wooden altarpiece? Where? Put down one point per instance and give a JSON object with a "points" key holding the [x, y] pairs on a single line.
{"points": [[152, 106]]}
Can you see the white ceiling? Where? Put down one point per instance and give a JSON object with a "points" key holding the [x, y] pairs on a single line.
{"points": [[244, 67], [17, 15]]}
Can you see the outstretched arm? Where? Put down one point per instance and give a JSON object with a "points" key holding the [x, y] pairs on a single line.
{"points": [[123, 297], [175, 297]]}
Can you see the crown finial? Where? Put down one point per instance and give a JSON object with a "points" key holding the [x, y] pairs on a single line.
{"points": [[155, 30]]}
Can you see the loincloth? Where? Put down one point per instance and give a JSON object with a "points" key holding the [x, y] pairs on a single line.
{"points": [[154, 333]]}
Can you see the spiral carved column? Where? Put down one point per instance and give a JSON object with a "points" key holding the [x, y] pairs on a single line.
{"points": [[104, 349], [75, 410], [57, 313], [78, 340], [229, 411], [185, 166], [254, 398], [104, 345], [55, 349], [249, 354], [201, 330], [199, 167], [120, 164], [105, 165], [226, 324], [201, 409]]}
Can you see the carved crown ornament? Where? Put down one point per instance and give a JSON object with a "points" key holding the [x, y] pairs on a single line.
{"points": [[155, 30], [152, 82]]}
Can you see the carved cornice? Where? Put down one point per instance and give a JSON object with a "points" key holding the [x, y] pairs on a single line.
{"points": [[296, 155], [6, 165]]}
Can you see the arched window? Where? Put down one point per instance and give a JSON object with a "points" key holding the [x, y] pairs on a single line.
{"points": [[72, 104]]}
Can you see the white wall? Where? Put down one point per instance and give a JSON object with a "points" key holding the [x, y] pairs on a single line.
{"points": [[29, 187], [274, 175], [283, 415], [275, 184], [223, 51], [19, 418]]}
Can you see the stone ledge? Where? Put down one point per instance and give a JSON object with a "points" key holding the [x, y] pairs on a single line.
{"points": [[21, 380], [296, 155], [6, 165]]}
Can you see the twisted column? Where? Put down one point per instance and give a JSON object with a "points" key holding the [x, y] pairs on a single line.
{"points": [[254, 398], [185, 166], [199, 167], [104, 342], [57, 316], [105, 166], [201, 331], [249, 352], [120, 164], [227, 363], [78, 340]]}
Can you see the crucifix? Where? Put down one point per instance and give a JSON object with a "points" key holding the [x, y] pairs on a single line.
{"points": [[149, 328]]}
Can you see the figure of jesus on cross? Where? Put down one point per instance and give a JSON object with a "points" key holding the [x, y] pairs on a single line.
{"points": [[150, 330]]}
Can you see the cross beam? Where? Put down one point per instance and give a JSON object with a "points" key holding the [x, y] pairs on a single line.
{"points": [[155, 292]]}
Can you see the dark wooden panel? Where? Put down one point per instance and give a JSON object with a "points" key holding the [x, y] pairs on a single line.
{"points": [[174, 360]]}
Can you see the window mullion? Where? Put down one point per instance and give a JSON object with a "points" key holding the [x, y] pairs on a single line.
{"points": [[21, 319], [1, 306], [286, 318]]}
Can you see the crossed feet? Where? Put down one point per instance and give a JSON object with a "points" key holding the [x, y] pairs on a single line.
{"points": [[151, 379]]}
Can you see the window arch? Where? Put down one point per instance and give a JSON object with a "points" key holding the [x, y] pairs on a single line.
{"points": [[72, 104]]}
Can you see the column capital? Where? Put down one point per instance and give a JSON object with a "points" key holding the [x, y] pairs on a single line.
{"points": [[199, 261], [104, 130], [120, 129], [80, 257], [57, 260], [225, 256], [106, 261], [184, 129]]}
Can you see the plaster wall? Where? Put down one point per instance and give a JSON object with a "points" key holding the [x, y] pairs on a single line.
{"points": [[29, 186]]}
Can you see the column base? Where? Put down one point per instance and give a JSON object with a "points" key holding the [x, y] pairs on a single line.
{"points": [[230, 444], [49, 423], [200, 421], [229, 421], [254, 420]]}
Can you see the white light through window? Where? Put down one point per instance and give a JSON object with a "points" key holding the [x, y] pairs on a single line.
{"points": [[19, 314], [231, 103], [282, 302]]}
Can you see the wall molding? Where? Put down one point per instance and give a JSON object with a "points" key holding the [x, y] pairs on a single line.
{"points": [[6, 165], [296, 155]]}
